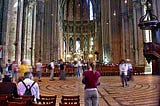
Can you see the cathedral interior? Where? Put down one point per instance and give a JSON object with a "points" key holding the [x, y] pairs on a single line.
{"points": [[101, 30]]}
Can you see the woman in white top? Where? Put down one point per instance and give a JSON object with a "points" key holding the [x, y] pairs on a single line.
{"points": [[123, 68]]}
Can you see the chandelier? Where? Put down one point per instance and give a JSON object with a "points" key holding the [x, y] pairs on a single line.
{"points": [[149, 21]]}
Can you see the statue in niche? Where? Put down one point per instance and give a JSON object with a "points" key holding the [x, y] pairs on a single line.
{"points": [[85, 44], [71, 45]]}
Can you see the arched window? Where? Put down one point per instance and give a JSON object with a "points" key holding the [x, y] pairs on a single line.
{"points": [[90, 9]]}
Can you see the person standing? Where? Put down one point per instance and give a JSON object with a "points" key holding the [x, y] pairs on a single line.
{"points": [[52, 70], [23, 68], [123, 68], [79, 68], [62, 70], [39, 70], [9, 67], [14, 71], [84, 66], [91, 82]]}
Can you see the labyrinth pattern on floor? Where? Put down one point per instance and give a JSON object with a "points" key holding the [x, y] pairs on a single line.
{"points": [[142, 91]]}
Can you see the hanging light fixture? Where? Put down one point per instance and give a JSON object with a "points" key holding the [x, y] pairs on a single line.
{"points": [[149, 21]]}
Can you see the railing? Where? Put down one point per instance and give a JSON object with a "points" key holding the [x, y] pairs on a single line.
{"points": [[105, 70]]}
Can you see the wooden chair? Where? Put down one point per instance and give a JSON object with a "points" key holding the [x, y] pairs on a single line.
{"points": [[16, 104], [69, 104], [3, 101], [70, 99], [4, 98]]}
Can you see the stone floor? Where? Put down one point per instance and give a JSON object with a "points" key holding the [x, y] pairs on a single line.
{"points": [[143, 91]]}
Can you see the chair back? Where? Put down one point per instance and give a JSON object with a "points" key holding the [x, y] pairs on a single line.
{"points": [[70, 99], [27, 99], [47, 100], [69, 104], [16, 104], [3, 101], [43, 101], [4, 98], [36, 104], [7, 96], [48, 97]]}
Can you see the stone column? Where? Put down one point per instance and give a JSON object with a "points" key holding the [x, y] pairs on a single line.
{"points": [[18, 31], [39, 30], [3, 24], [11, 30]]}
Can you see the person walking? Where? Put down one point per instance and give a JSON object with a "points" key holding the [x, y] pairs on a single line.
{"points": [[130, 70], [39, 70], [91, 81], [123, 68]]}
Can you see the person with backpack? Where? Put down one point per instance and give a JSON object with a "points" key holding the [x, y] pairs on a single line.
{"points": [[28, 87]]}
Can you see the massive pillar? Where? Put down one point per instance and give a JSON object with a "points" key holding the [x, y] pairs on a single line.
{"points": [[47, 36], [10, 39], [3, 28]]}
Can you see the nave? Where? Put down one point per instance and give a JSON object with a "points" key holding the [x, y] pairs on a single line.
{"points": [[143, 91]]}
